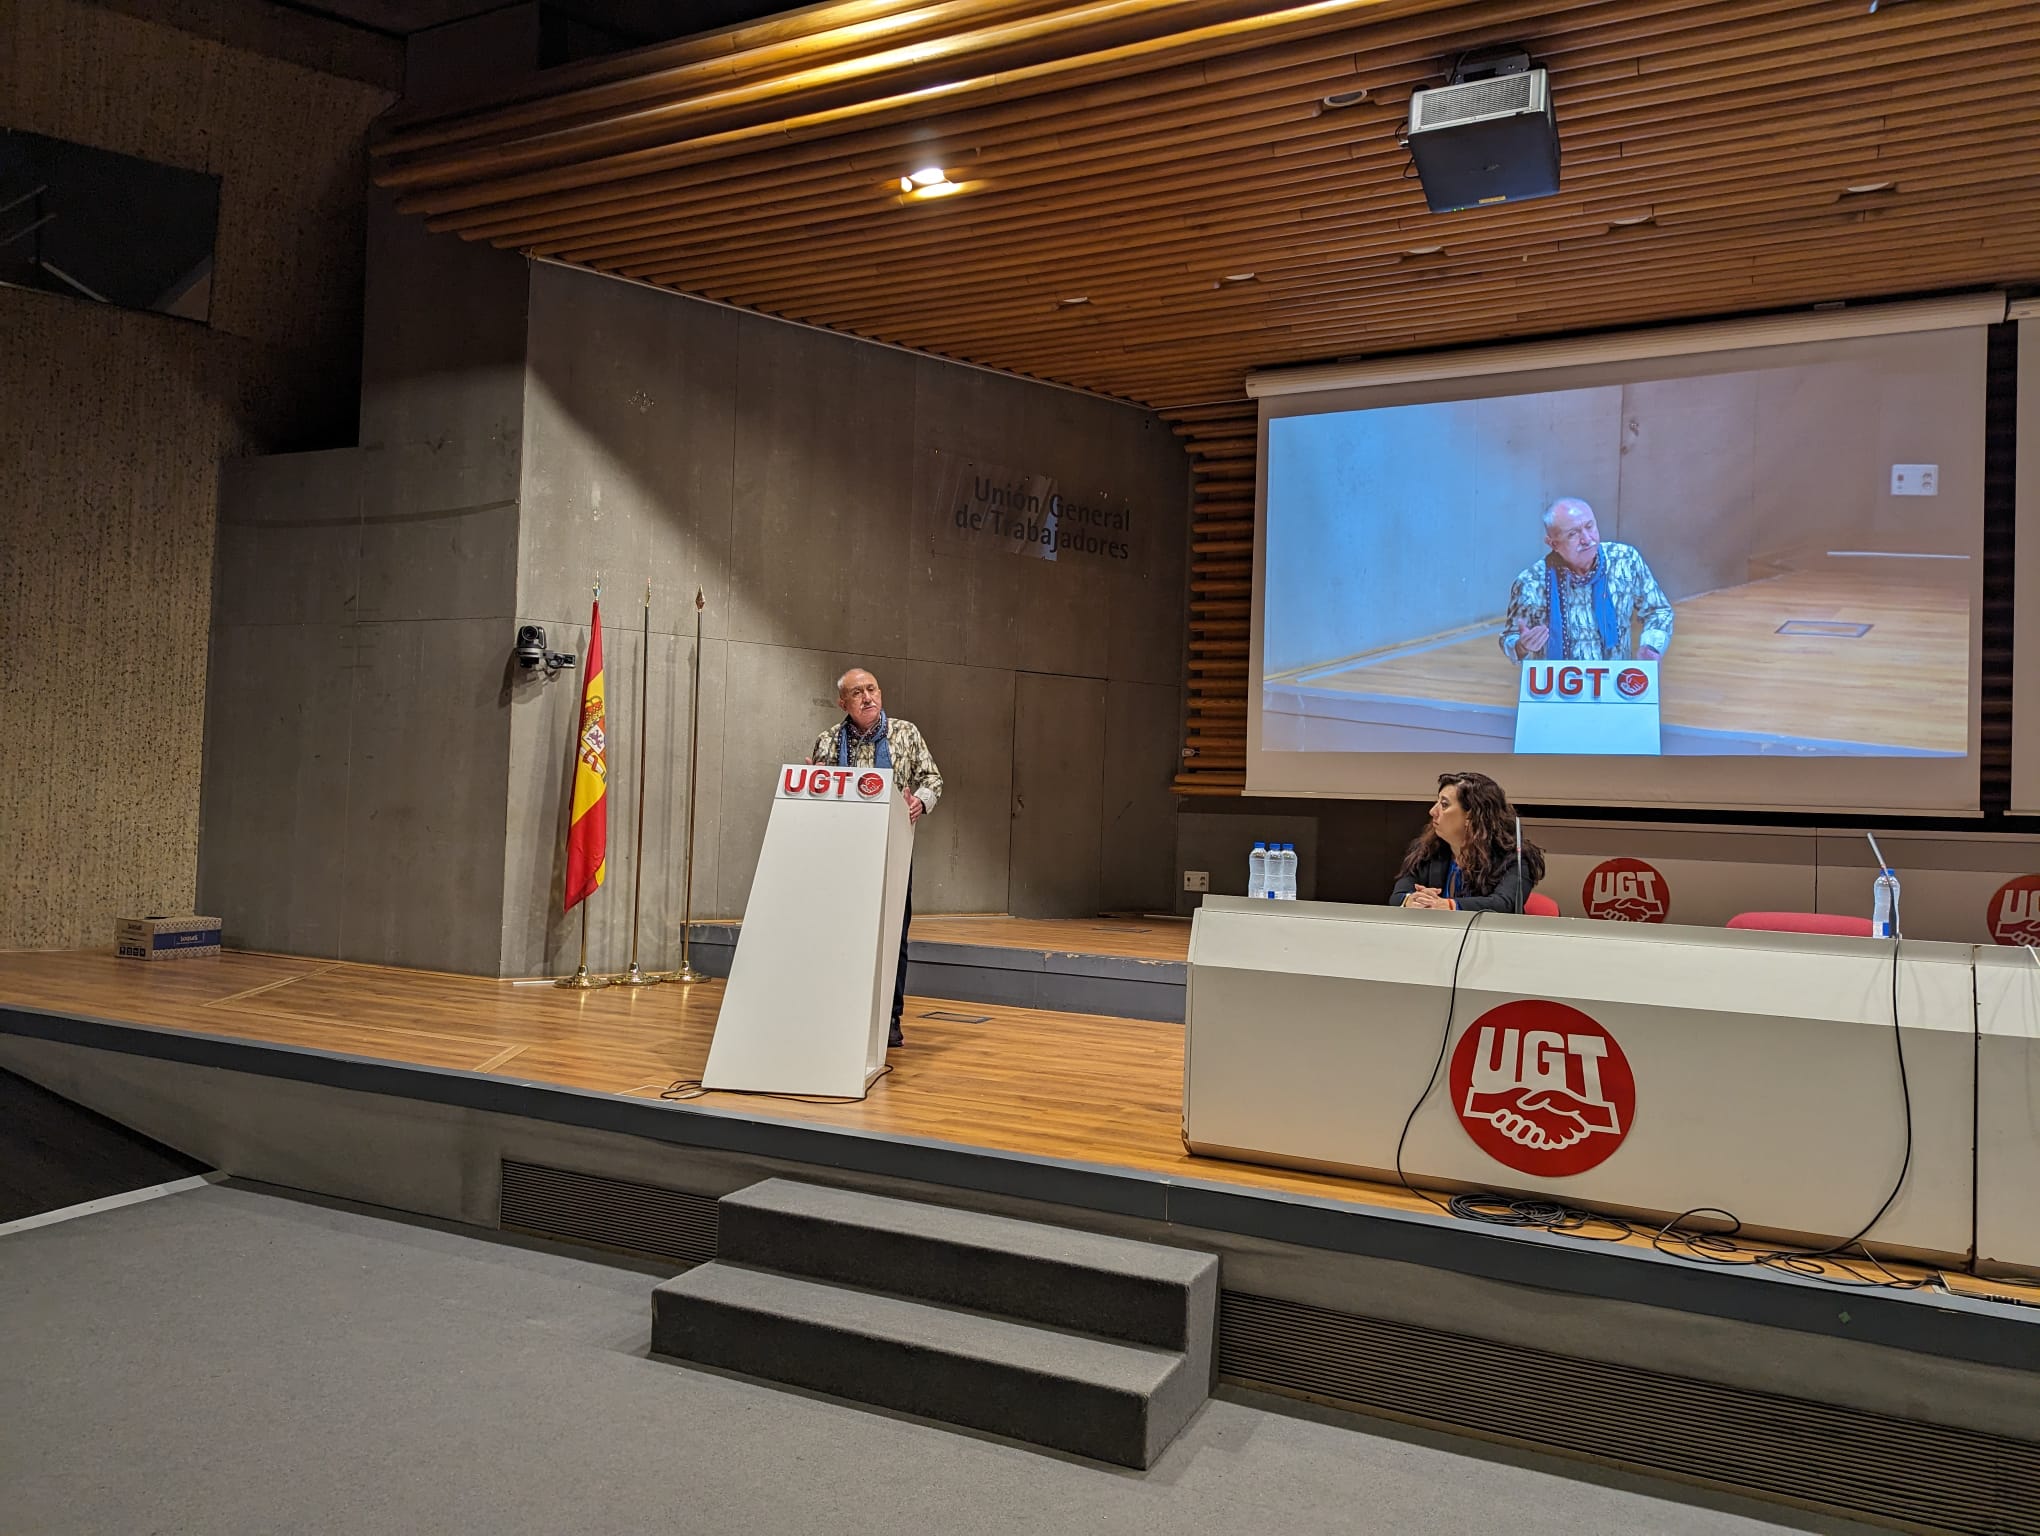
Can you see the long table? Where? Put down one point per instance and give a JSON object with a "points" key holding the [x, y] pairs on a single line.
{"points": [[1647, 1070]]}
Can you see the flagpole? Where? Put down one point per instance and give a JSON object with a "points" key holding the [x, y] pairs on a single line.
{"points": [[635, 977], [687, 972], [581, 981]]}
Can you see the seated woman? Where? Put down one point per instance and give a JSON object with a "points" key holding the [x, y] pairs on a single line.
{"points": [[1468, 861]]}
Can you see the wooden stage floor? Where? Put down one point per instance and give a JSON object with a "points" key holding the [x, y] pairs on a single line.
{"points": [[1080, 1087], [1900, 684]]}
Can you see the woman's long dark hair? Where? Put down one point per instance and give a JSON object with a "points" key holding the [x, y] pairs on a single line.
{"points": [[1491, 836]]}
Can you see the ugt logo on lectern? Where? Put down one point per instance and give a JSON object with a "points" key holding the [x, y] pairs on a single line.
{"points": [[2014, 912], [1542, 1088], [870, 785], [1626, 891]]}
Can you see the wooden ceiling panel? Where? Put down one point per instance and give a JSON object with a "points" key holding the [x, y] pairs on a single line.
{"points": [[1725, 125]]}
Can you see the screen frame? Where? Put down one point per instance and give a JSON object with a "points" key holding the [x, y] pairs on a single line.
{"points": [[2025, 795], [1854, 785]]}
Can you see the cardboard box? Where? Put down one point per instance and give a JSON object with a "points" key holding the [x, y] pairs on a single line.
{"points": [[165, 938]]}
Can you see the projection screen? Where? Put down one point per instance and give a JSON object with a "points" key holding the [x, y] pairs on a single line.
{"points": [[1734, 565]]}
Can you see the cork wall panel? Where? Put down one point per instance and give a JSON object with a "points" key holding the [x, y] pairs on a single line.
{"points": [[105, 593], [112, 438]]}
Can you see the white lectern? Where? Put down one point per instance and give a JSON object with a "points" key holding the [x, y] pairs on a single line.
{"points": [[1588, 708], [809, 1000]]}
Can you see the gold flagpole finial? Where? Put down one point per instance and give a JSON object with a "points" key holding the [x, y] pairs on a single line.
{"points": [[700, 602]]}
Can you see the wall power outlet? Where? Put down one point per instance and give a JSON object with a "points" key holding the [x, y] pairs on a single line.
{"points": [[1197, 880]]}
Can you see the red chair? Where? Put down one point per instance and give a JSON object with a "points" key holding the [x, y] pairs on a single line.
{"points": [[1539, 906], [1804, 922]]}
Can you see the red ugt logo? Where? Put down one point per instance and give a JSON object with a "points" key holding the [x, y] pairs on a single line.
{"points": [[869, 785], [1626, 891], [2014, 912], [1542, 1088]]}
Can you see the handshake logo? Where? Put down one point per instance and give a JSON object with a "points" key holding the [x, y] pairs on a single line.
{"points": [[1626, 891], [2014, 912], [1542, 1088]]}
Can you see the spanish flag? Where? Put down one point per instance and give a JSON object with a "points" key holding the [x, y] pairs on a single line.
{"points": [[588, 834]]}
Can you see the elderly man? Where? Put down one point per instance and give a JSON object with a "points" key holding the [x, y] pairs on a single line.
{"points": [[866, 737], [1579, 601]]}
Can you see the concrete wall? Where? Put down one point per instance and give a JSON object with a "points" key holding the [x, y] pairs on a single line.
{"points": [[356, 752], [801, 481], [1390, 526], [115, 423], [384, 784]]}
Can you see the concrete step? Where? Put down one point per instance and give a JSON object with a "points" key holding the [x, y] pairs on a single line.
{"points": [[1142, 1293], [1095, 1397]]}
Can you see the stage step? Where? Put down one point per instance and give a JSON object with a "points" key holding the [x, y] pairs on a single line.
{"points": [[1139, 1292], [1094, 1345]]}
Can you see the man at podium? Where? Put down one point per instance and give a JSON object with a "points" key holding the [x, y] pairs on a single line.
{"points": [[1582, 600], [866, 737]]}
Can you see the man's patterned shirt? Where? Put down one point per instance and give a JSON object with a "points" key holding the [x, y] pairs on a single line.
{"points": [[914, 770], [1634, 591]]}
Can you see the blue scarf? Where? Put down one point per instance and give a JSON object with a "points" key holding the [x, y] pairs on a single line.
{"points": [[881, 755], [1605, 622]]}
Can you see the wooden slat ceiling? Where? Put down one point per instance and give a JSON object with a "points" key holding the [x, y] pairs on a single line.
{"points": [[1135, 156]]}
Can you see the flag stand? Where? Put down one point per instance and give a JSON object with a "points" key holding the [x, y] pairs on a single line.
{"points": [[687, 972], [581, 981], [633, 977]]}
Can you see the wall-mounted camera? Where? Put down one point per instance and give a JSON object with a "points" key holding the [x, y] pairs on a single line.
{"points": [[530, 650]]}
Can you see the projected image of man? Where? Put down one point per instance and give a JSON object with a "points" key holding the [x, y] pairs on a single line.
{"points": [[1584, 599]]}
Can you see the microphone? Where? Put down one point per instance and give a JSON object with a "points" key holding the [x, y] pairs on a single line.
{"points": [[1519, 866]]}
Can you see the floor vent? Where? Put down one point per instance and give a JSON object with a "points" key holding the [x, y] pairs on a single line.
{"points": [[1841, 1459], [607, 1213]]}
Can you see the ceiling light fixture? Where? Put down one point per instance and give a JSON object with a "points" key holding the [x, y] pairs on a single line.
{"points": [[1631, 220], [1073, 301], [1862, 188], [1425, 250], [1340, 99], [1234, 279], [929, 181]]}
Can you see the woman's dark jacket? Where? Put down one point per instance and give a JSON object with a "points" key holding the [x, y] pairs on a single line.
{"points": [[1506, 893]]}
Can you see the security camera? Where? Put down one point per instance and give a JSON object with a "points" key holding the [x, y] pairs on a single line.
{"points": [[530, 650]]}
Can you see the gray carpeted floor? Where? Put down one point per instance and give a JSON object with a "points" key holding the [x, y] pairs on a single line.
{"points": [[231, 1361]]}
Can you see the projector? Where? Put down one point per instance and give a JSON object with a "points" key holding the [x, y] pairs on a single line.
{"points": [[1485, 141]]}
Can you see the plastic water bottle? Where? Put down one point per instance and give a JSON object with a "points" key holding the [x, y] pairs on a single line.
{"points": [[1286, 889], [1884, 913], [1257, 871]]}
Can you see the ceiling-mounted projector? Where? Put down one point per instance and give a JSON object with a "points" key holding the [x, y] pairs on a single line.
{"points": [[1488, 137]]}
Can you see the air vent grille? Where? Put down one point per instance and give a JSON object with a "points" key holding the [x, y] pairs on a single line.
{"points": [[1844, 1459], [1477, 99], [607, 1213]]}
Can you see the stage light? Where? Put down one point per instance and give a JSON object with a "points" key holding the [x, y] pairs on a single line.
{"points": [[930, 181]]}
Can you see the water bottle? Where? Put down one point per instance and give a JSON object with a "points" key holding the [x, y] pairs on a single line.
{"points": [[1257, 871], [1884, 914], [1287, 889]]}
